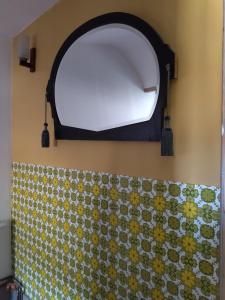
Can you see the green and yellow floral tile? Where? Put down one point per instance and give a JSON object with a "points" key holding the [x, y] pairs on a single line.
{"points": [[87, 235]]}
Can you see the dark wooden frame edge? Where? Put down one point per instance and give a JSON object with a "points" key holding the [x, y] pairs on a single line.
{"points": [[144, 131]]}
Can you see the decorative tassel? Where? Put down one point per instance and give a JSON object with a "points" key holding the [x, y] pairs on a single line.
{"points": [[45, 137], [167, 139], [45, 140], [167, 133]]}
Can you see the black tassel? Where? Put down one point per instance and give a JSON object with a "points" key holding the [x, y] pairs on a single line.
{"points": [[167, 139], [45, 140], [45, 137]]}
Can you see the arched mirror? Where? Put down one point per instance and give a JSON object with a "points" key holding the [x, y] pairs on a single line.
{"points": [[109, 81]]}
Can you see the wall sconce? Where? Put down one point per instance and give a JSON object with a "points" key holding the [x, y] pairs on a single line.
{"points": [[27, 55]]}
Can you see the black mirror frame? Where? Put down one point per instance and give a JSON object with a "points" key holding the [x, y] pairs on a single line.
{"points": [[145, 131]]}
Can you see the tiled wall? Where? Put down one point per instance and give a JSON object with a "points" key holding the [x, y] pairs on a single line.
{"points": [[84, 235]]}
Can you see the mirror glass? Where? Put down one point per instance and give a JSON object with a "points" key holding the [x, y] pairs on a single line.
{"points": [[108, 78]]}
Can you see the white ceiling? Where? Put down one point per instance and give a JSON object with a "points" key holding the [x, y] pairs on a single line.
{"points": [[15, 15]]}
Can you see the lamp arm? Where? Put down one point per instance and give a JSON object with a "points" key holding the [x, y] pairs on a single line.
{"points": [[32, 61]]}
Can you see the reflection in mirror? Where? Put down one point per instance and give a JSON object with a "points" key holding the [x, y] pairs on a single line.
{"points": [[108, 78], [110, 81]]}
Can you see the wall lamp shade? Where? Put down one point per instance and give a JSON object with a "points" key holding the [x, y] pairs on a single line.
{"points": [[27, 55]]}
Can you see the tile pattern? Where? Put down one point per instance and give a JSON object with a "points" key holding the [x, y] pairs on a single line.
{"points": [[85, 235]]}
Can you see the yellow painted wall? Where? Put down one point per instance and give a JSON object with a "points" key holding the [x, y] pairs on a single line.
{"points": [[193, 29]]}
